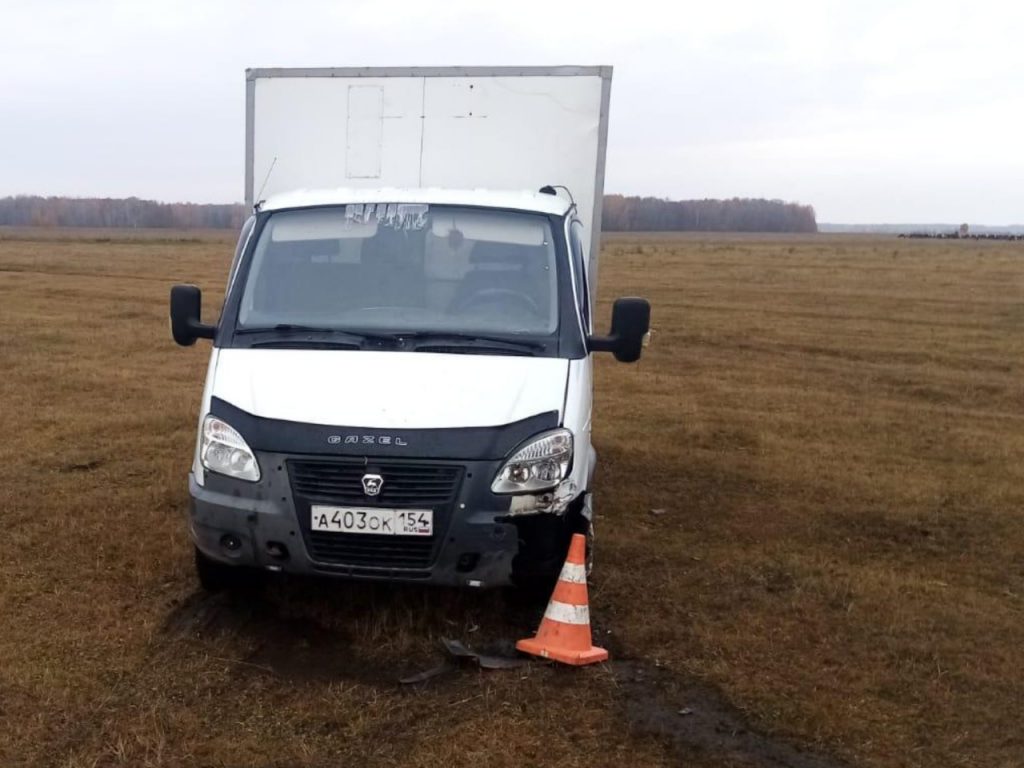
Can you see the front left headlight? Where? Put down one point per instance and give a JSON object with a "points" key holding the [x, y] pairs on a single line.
{"points": [[224, 451], [538, 465]]}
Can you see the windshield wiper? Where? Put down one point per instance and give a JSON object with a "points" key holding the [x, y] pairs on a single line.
{"points": [[290, 327], [307, 344], [343, 338], [422, 340], [430, 339]]}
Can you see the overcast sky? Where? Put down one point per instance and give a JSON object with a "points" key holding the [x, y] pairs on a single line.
{"points": [[871, 111]]}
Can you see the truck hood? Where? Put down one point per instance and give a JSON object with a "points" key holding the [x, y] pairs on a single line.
{"points": [[389, 390]]}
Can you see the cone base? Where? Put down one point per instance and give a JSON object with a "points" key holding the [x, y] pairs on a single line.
{"points": [[591, 655]]}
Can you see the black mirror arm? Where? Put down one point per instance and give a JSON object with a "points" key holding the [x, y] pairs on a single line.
{"points": [[602, 343], [202, 330], [186, 333]]}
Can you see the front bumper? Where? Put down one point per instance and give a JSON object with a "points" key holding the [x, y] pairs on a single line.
{"points": [[267, 526]]}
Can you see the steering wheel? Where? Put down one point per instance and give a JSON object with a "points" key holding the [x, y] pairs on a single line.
{"points": [[496, 295]]}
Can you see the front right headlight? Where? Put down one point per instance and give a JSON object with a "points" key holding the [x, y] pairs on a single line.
{"points": [[224, 451], [538, 465]]}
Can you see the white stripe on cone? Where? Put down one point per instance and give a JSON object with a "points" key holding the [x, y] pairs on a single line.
{"points": [[567, 613], [574, 573]]}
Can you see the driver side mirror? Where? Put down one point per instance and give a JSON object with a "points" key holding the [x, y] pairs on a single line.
{"points": [[186, 305], [631, 320]]}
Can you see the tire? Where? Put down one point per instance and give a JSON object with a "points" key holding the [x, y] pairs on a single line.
{"points": [[217, 577], [543, 545]]}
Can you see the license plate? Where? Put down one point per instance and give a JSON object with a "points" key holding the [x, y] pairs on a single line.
{"points": [[386, 522]]}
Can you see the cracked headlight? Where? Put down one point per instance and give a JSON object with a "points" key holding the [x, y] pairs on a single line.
{"points": [[224, 451], [538, 465]]}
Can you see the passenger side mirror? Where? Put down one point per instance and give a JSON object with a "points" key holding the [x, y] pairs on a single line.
{"points": [[186, 305], [631, 320]]}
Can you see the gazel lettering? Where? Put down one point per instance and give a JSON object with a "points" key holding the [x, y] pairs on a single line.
{"points": [[366, 440]]}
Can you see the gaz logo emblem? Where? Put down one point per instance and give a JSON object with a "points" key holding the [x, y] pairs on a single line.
{"points": [[372, 484]]}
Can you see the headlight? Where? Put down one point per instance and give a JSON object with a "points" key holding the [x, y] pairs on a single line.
{"points": [[223, 450], [538, 465]]}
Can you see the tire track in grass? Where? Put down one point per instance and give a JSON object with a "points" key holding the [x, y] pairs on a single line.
{"points": [[695, 721]]}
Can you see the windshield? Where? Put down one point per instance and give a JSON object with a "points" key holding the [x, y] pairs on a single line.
{"points": [[403, 268]]}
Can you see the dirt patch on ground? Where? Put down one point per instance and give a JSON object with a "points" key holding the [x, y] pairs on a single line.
{"points": [[696, 721], [293, 648], [692, 719], [288, 631]]}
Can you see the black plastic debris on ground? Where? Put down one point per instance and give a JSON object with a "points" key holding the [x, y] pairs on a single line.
{"points": [[459, 654]]}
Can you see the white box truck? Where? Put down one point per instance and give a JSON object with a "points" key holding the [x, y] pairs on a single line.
{"points": [[400, 386]]}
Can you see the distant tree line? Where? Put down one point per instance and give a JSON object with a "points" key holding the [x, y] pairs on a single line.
{"points": [[31, 211], [956, 235], [626, 214], [652, 214]]}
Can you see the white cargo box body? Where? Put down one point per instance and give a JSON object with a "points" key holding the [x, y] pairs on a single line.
{"points": [[498, 128]]}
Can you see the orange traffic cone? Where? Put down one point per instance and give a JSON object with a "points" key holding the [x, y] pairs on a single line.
{"points": [[564, 633]]}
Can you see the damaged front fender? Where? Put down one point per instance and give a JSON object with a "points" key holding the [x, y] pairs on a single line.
{"points": [[551, 503]]}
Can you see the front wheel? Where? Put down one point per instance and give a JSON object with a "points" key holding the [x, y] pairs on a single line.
{"points": [[543, 545], [216, 577]]}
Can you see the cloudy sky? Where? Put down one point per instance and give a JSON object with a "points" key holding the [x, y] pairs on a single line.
{"points": [[892, 111]]}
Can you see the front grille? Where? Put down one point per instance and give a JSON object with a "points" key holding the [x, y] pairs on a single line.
{"points": [[371, 551], [405, 485], [412, 485]]}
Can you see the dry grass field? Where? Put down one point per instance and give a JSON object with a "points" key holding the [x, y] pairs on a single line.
{"points": [[830, 428]]}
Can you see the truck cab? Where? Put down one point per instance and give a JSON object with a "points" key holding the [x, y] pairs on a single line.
{"points": [[400, 387]]}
